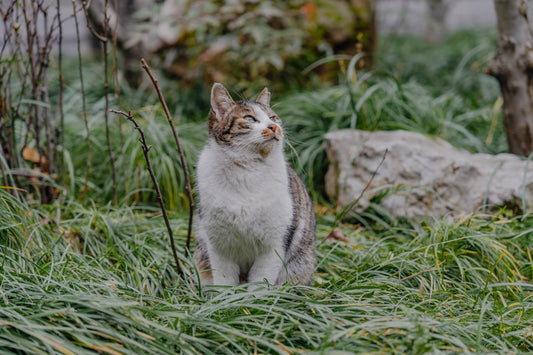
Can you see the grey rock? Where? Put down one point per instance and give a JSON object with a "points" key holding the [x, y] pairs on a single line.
{"points": [[424, 176]]}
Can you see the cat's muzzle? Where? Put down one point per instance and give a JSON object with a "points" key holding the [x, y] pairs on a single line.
{"points": [[273, 131]]}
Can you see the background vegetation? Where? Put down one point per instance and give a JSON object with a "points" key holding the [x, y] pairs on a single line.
{"points": [[247, 44], [85, 274]]}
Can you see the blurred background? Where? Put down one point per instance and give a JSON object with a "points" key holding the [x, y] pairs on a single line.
{"points": [[259, 36], [392, 16], [373, 65]]}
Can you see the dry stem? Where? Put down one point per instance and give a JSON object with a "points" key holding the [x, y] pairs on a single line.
{"points": [[146, 148], [83, 102], [103, 37], [188, 188], [60, 92]]}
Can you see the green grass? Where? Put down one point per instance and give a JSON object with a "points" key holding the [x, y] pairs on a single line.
{"points": [[82, 275], [438, 90], [78, 279]]}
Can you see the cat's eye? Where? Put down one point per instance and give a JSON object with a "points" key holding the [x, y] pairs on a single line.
{"points": [[250, 119]]}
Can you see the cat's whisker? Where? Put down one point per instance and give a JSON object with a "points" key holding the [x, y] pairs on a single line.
{"points": [[294, 152]]}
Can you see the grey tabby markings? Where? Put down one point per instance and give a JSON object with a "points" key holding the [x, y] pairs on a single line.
{"points": [[299, 241]]}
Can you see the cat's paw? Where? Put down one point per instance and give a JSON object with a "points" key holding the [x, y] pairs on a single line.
{"points": [[257, 286]]}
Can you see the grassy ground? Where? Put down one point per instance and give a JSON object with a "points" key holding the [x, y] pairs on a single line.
{"points": [[101, 279], [83, 276]]}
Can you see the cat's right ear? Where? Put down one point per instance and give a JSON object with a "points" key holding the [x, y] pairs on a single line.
{"points": [[221, 100]]}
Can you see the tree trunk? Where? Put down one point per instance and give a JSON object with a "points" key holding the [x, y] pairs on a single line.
{"points": [[436, 26], [513, 67]]}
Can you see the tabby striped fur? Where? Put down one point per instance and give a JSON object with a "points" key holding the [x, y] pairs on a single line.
{"points": [[256, 220]]}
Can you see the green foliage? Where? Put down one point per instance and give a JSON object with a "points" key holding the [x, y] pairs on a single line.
{"points": [[134, 183], [252, 43], [100, 279], [401, 93], [80, 275]]}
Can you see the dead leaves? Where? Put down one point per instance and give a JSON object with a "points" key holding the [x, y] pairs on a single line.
{"points": [[38, 175], [32, 155], [337, 235]]}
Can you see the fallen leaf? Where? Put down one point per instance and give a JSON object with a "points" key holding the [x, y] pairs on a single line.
{"points": [[30, 154], [337, 235]]}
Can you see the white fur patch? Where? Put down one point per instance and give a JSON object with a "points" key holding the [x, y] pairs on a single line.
{"points": [[246, 208]]}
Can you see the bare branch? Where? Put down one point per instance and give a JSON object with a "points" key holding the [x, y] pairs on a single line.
{"points": [[146, 148], [83, 102], [106, 112], [60, 92], [100, 37], [188, 188]]}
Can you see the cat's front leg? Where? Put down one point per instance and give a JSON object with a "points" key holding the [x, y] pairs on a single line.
{"points": [[225, 272], [266, 267]]}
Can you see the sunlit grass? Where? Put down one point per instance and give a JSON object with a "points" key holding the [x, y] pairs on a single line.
{"points": [[102, 279]]}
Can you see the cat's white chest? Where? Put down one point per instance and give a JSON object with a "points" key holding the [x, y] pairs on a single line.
{"points": [[245, 211]]}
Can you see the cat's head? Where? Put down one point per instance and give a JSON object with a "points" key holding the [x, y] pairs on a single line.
{"points": [[247, 126]]}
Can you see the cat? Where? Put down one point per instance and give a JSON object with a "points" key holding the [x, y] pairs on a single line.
{"points": [[256, 220]]}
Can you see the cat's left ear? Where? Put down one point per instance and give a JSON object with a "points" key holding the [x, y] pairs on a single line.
{"points": [[264, 97], [221, 100]]}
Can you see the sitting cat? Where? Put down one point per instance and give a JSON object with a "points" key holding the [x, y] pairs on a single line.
{"points": [[256, 220]]}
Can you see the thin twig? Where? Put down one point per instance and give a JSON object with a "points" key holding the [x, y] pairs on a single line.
{"points": [[106, 111], [146, 148], [9, 110], [188, 188], [39, 48], [114, 37], [60, 92], [85, 7], [103, 37], [354, 202], [83, 101], [116, 88]]}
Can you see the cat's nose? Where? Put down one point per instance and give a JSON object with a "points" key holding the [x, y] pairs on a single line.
{"points": [[273, 127]]}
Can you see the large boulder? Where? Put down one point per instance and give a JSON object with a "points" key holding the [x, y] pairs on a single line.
{"points": [[424, 176]]}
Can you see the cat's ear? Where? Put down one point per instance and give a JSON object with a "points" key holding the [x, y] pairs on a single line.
{"points": [[221, 100], [264, 97]]}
